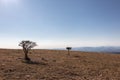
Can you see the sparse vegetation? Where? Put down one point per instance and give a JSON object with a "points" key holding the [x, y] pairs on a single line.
{"points": [[54, 65], [27, 45]]}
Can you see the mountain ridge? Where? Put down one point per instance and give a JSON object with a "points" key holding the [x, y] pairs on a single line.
{"points": [[98, 49]]}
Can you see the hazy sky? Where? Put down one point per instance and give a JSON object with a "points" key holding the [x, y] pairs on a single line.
{"points": [[60, 23]]}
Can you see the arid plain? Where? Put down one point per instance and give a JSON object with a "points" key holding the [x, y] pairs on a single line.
{"points": [[57, 65]]}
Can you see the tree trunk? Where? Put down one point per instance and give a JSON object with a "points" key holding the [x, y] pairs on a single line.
{"points": [[26, 54], [68, 52]]}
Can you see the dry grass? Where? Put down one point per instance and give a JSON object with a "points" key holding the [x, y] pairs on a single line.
{"points": [[57, 65]]}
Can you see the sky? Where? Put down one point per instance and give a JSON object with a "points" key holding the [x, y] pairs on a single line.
{"points": [[60, 23]]}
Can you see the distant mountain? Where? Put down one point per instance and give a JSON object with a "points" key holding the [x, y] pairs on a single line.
{"points": [[98, 49]]}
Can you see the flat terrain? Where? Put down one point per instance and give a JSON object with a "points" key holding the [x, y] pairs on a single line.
{"points": [[57, 65]]}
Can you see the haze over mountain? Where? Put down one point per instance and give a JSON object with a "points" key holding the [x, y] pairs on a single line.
{"points": [[98, 49]]}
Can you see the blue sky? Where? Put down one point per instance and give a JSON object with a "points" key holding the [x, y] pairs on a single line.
{"points": [[60, 23]]}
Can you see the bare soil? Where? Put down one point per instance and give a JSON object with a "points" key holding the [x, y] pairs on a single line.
{"points": [[57, 65]]}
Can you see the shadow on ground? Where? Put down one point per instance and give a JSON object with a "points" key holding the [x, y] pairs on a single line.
{"points": [[35, 62]]}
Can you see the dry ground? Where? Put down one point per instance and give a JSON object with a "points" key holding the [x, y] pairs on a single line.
{"points": [[57, 65]]}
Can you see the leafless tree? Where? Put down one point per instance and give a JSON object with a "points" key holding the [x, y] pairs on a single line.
{"points": [[27, 45], [68, 48]]}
